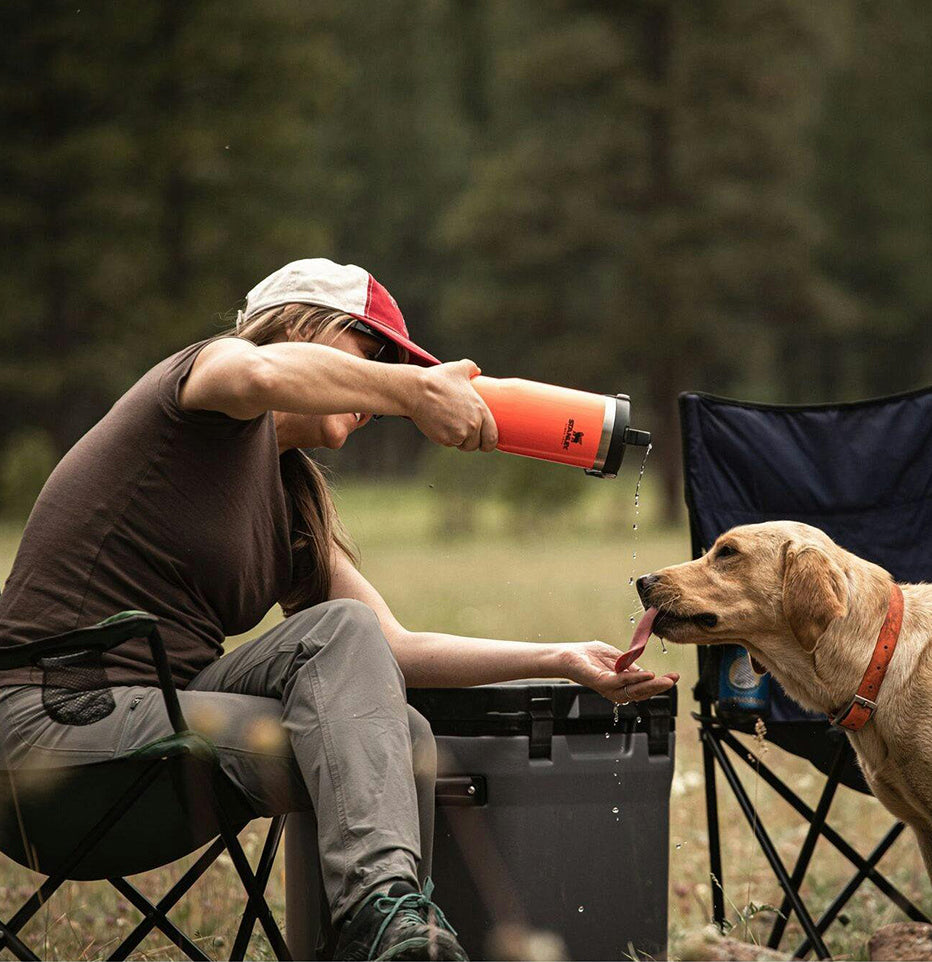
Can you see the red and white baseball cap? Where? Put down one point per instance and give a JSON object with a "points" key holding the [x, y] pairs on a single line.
{"points": [[341, 287]]}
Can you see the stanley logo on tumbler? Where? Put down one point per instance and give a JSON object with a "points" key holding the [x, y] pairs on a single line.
{"points": [[570, 436]]}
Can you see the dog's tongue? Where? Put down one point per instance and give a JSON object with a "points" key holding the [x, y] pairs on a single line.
{"points": [[638, 642]]}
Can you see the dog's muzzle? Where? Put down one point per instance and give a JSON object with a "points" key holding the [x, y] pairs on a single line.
{"points": [[644, 585]]}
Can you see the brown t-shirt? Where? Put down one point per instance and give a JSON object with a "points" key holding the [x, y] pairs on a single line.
{"points": [[178, 513]]}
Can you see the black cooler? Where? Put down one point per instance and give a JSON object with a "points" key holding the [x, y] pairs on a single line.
{"points": [[552, 833]]}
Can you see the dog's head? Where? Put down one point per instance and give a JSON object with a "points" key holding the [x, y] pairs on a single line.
{"points": [[774, 580]]}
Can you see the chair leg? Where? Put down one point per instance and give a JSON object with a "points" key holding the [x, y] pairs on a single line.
{"points": [[19, 948], [154, 913], [809, 843], [842, 898], [256, 895], [28, 909], [160, 921], [711, 810], [830, 835], [768, 848], [263, 871], [32, 905], [165, 904]]}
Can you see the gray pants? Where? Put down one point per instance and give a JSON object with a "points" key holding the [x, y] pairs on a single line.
{"points": [[311, 715]]}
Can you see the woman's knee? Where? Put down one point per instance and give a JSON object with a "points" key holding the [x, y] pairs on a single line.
{"points": [[341, 621], [345, 617], [346, 632]]}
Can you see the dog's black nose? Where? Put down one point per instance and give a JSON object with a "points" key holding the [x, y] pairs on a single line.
{"points": [[644, 585]]}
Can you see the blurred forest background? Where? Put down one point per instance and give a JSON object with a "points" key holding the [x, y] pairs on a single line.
{"points": [[650, 196]]}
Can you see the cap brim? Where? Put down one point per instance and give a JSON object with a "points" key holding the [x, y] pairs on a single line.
{"points": [[416, 355]]}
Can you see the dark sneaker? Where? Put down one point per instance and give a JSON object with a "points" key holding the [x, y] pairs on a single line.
{"points": [[404, 924]]}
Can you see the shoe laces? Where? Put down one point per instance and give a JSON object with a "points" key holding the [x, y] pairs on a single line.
{"points": [[410, 909]]}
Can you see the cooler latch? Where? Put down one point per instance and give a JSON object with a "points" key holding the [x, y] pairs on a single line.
{"points": [[541, 711], [461, 790]]}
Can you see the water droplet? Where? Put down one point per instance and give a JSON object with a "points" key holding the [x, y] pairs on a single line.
{"points": [[631, 619], [631, 580], [615, 714], [580, 909], [638, 720], [663, 645], [614, 809], [607, 735], [678, 845]]}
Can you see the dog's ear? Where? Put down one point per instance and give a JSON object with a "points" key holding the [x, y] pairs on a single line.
{"points": [[815, 592]]}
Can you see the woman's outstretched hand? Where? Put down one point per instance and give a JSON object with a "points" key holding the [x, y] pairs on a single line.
{"points": [[592, 663], [449, 411]]}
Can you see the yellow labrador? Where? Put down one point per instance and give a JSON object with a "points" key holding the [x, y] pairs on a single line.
{"points": [[810, 613]]}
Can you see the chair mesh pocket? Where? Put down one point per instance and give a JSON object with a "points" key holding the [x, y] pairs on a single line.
{"points": [[74, 688]]}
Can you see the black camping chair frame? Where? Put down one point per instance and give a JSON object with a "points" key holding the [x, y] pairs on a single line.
{"points": [[100, 638], [717, 741]]}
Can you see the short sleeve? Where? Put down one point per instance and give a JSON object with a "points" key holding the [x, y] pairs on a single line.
{"points": [[174, 372]]}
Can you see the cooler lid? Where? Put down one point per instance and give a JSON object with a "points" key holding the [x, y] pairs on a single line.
{"points": [[540, 709]]}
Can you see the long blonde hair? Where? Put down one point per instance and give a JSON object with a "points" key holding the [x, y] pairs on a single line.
{"points": [[316, 529]]}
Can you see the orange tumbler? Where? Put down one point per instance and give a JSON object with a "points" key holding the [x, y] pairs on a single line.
{"points": [[561, 424]]}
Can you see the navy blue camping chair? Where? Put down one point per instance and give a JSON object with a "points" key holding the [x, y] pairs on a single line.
{"points": [[861, 472]]}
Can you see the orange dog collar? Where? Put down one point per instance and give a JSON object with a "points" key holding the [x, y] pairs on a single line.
{"points": [[858, 712]]}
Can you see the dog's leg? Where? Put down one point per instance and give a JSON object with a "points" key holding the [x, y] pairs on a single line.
{"points": [[899, 805], [892, 799], [924, 837]]}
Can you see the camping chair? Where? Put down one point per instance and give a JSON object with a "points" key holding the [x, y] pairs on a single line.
{"points": [[861, 472], [130, 814]]}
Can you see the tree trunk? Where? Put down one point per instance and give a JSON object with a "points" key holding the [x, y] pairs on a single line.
{"points": [[666, 377], [176, 199]]}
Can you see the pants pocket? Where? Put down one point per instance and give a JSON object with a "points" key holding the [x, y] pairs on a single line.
{"points": [[50, 743], [75, 689]]}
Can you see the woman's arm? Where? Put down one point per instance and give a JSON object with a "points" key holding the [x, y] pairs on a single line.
{"points": [[432, 659], [241, 380]]}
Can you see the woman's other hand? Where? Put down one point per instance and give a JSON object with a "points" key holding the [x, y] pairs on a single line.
{"points": [[449, 411], [592, 663]]}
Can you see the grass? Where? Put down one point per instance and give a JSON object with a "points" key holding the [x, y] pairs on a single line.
{"points": [[561, 577]]}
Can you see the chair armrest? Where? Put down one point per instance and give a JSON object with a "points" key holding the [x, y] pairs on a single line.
{"points": [[100, 637], [103, 636]]}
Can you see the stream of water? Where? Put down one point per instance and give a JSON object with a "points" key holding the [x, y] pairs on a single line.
{"points": [[634, 553]]}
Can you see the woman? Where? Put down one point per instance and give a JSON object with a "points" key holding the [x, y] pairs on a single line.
{"points": [[192, 499]]}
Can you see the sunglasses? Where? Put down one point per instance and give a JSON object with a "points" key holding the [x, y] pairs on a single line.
{"points": [[387, 351]]}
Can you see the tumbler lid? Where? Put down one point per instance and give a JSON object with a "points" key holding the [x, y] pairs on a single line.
{"points": [[615, 435]]}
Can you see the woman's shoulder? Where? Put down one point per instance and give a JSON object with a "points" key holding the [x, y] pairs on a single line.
{"points": [[168, 378], [177, 366]]}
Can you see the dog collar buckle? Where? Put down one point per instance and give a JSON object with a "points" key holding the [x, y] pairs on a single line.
{"points": [[842, 720]]}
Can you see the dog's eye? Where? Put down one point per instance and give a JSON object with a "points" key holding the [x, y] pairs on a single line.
{"points": [[726, 551]]}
